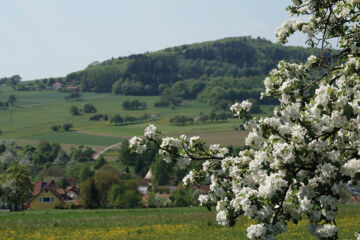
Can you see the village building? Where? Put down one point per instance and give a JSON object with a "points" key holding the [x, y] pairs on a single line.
{"points": [[149, 176], [46, 195], [72, 192], [57, 86], [144, 185], [72, 88]]}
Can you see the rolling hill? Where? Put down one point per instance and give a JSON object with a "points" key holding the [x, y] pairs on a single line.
{"points": [[216, 72]]}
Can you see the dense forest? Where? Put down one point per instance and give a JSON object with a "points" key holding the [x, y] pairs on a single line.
{"points": [[215, 72]]}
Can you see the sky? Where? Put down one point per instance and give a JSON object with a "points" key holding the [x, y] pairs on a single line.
{"points": [[51, 38]]}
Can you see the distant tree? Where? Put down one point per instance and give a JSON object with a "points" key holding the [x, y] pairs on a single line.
{"points": [[143, 162], [117, 119], [143, 106], [89, 196], [170, 96], [156, 200], [161, 171], [46, 152], [126, 105], [55, 128], [2, 148], [130, 199], [85, 172], [62, 158], [130, 119], [114, 192], [17, 184], [104, 178], [67, 126], [89, 108], [126, 157], [82, 154], [124, 195], [255, 108], [29, 148], [74, 111], [99, 163], [134, 105], [73, 95], [116, 87], [185, 197], [181, 120], [14, 80], [12, 99], [54, 171]]}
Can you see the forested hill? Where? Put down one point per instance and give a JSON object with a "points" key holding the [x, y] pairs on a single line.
{"points": [[233, 68]]}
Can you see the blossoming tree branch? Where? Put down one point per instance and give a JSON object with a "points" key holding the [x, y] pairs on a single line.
{"points": [[305, 158]]}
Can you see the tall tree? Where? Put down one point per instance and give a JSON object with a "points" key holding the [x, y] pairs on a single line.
{"points": [[89, 196], [305, 158], [16, 186]]}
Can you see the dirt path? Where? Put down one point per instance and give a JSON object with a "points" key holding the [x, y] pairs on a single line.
{"points": [[101, 134], [106, 149]]}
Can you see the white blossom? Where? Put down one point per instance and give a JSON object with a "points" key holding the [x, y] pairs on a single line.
{"points": [[352, 167], [189, 178], [136, 144], [326, 230], [242, 107], [150, 131], [255, 231], [183, 162]]}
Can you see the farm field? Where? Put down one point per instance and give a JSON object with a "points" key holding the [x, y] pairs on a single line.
{"points": [[165, 223], [73, 137], [37, 111]]}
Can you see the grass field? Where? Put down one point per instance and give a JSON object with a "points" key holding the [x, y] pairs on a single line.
{"points": [[76, 138], [37, 111], [170, 223]]}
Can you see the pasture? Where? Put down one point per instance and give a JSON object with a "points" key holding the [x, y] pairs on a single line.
{"points": [[165, 223], [36, 111], [73, 137]]}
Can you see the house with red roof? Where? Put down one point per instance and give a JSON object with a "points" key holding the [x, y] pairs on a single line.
{"points": [[46, 195]]}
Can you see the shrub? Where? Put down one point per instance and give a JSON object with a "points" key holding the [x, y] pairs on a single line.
{"points": [[89, 108], [55, 128], [117, 119], [99, 116], [134, 105], [155, 200], [99, 163], [74, 111], [67, 126]]}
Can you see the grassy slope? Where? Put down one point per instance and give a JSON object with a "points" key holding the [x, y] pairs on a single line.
{"points": [[169, 223], [37, 111], [76, 138]]}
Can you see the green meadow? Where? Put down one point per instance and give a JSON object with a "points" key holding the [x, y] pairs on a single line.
{"points": [[36, 111], [73, 137], [163, 223]]}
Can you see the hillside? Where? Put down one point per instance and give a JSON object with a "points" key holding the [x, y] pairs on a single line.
{"points": [[216, 72]]}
